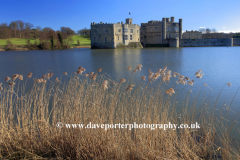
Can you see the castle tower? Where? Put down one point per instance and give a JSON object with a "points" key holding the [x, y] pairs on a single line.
{"points": [[129, 21], [172, 19], [180, 28], [163, 28]]}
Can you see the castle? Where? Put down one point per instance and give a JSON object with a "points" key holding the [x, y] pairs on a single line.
{"points": [[192, 35], [158, 32], [165, 33], [111, 35]]}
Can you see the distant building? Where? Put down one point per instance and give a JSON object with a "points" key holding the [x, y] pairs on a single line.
{"points": [[159, 32], [192, 35], [113, 35]]}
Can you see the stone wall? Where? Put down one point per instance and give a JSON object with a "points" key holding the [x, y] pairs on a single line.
{"points": [[102, 36], [205, 42], [236, 41], [173, 42]]}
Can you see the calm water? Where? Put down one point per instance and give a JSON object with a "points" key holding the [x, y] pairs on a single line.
{"points": [[220, 65]]}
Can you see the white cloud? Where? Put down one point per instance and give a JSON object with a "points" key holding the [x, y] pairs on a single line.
{"points": [[228, 31], [202, 27], [224, 27]]}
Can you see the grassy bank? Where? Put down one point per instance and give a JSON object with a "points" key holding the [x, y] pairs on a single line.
{"points": [[83, 39], [29, 125]]}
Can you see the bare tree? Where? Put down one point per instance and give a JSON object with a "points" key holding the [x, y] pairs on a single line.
{"points": [[202, 30], [67, 30], [14, 25], [5, 31], [208, 30], [214, 30], [28, 27], [21, 27], [84, 31]]}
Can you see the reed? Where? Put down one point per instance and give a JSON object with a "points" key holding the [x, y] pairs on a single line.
{"points": [[30, 128]]}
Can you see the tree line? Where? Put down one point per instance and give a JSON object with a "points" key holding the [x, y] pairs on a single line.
{"points": [[20, 29], [45, 38]]}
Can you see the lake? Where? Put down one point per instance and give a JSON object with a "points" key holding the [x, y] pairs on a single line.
{"points": [[219, 64]]}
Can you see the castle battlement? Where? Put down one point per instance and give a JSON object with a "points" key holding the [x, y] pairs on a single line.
{"points": [[104, 24]]}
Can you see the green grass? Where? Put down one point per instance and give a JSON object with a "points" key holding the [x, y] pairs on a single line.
{"points": [[84, 41], [17, 41]]}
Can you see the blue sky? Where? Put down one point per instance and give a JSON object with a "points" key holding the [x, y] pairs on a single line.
{"points": [[219, 14]]}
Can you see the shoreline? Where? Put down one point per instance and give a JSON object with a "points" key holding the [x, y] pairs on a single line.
{"points": [[26, 49]]}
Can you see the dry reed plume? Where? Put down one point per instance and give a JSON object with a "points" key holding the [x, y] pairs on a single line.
{"points": [[143, 78], [29, 125], [130, 87], [122, 80], [170, 91], [29, 75], [7, 79], [104, 85], [139, 67]]}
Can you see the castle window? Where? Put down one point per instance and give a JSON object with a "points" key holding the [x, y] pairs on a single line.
{"points": [[119, 30], [118, 37], [106, 30], [105, 39], [126, 37], [155, 28], [130, 37], [131, 30], [99, 36], [160, 28], [125, 30], [169, 28]]}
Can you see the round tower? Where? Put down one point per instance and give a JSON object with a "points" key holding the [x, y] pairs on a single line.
{"points": [[163, 28], [180, 28]]}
